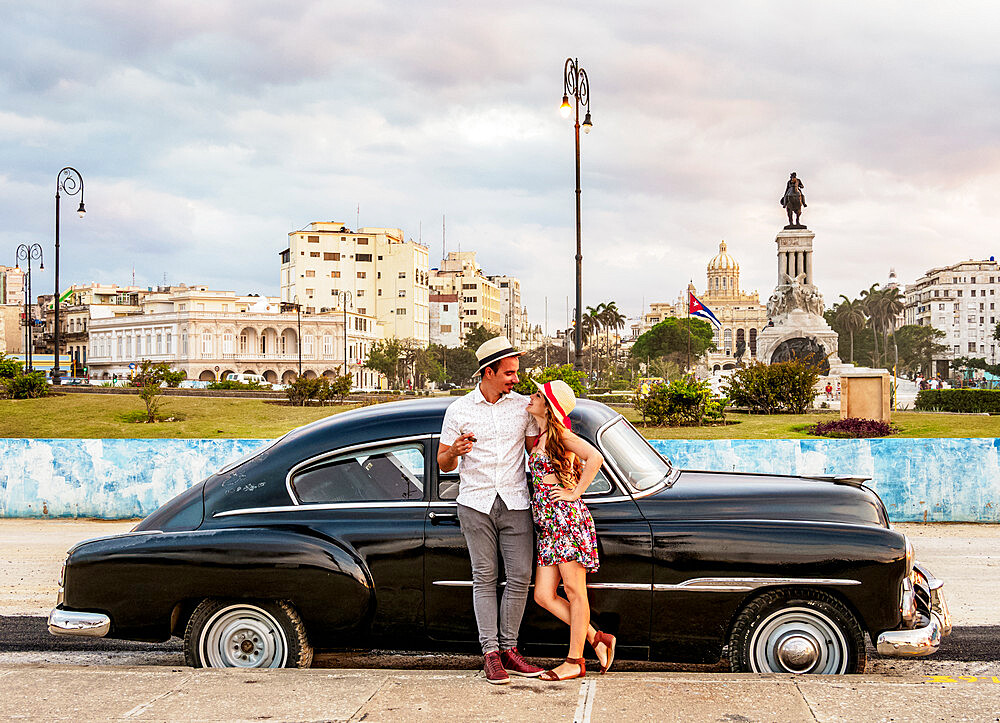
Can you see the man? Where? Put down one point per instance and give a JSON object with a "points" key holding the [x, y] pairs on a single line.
{"points": [[487, 429]]}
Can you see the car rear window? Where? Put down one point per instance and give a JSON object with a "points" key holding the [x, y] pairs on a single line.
{"points": [[385, 474]]}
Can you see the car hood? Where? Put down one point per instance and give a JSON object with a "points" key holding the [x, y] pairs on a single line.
{"points": [[740, 496]]}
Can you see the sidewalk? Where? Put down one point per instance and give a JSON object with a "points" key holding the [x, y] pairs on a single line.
{"points": [[83, 693]]}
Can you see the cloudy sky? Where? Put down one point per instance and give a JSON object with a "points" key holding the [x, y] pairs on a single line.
{"points": [[206, 131]]}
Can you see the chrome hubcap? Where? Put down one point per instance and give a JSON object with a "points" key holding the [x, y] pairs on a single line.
{"points": [[798, 640], [797, 653], [243, 636]]}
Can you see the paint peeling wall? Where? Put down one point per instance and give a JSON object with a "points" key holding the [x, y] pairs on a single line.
{"points": [[932, 480], [920, 480]]}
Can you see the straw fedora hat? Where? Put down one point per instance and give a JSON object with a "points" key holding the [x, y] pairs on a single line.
{"points": [[560, 397], [495, 349]]}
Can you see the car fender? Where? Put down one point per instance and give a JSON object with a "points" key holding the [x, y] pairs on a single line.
{"points": [[139, 580]]}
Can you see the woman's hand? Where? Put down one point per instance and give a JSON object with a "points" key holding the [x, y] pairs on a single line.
{"points": [[561, 494]]}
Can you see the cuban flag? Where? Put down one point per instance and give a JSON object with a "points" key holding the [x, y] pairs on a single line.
{"points": [[696, 308]]}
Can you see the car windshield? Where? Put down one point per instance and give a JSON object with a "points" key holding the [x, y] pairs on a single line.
{"points": [[640, 464]]}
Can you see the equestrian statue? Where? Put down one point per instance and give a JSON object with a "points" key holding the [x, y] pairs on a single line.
{"points": [[794, 201]]}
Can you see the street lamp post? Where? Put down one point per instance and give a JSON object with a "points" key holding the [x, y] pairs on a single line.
{"points": [[70, 182], [576, 84], [345, 299], [27, 253]]}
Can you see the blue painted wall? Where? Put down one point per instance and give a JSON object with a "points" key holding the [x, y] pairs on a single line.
{"points": [[933, 480]]}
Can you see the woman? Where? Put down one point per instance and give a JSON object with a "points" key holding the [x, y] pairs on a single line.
{"points": [[567, 542]]}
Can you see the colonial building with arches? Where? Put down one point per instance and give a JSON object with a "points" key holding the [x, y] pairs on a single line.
{"points": [[741, 313], [209, 334]]}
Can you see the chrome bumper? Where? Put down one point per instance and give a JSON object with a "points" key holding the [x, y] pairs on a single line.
{"points": [[926, 639], [72, 622]]}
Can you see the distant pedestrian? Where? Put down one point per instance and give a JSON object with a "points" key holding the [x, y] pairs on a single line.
{"points": [[829, 391]]}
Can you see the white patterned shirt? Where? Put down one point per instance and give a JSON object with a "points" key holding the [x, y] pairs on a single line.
{"points": [[495, 464]]}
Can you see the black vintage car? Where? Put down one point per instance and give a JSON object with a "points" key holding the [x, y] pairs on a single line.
{"points": [[344, 533]]}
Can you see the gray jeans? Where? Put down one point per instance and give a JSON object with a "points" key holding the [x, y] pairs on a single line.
{"points": [[512, 530]]}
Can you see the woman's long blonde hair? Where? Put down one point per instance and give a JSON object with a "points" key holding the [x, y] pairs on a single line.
{"points": [[567, 465]]}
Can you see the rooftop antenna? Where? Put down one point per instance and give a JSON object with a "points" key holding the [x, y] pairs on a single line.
{"points": [[357, 219], [444, 245]]}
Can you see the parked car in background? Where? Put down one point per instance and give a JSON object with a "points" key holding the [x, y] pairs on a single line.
{"points": [[344, 533]]}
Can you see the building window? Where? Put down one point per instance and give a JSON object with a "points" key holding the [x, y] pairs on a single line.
{"points": [[379, 292], [753, 342], [310, 292], [402, 293], [227, 343], [327, 345], [471, 312], [307, 345], [159, 343], [364, 257], [402, 274], [313, 239], [310, 273], [334, 274], [972, 346], [334, 292], [314, 254], [331, 257], [469, 286], [282, 345], [362, 242], [444, 307], [362, 310], [401, 311], [362, 274], [170, 343], [446, 328], [206, 344], [361, 292], [960, 293], [243, 343]]}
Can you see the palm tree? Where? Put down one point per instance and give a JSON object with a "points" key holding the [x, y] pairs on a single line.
{"points": [[615, 320], [892, 302], [873, 309], [850, 316], [592, 325]]}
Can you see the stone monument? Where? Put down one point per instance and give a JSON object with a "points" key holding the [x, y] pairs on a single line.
{"points": [[796, 328]]}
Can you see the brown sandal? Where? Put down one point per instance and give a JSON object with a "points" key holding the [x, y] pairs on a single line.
{"points": [[551, 675], [609, 642]]}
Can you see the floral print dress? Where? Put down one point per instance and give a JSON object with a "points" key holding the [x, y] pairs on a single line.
{"points": [[565, 530]]}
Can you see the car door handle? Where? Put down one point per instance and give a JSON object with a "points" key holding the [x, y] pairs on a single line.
{"points": [[439, 518]]}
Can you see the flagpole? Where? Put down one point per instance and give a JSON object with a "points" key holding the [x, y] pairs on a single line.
{"points": [[689, 333]]}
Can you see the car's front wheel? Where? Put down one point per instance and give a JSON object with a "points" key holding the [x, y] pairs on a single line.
{"points": [[796, 631], [242, 634]]}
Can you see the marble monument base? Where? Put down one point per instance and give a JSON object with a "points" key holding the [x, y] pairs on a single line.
{"points": [[795, 325]]}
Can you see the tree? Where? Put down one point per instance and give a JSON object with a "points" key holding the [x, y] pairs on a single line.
{"points": [[459, 364], [386, 357], [576, 380], [9, 366], [849, 316], [917, 346], [669, 338], [477, 336], [874, 311], [996, 333], [341, 386], [148, 377]]}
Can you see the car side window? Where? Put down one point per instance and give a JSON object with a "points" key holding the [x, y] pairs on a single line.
{"points": [[384, 474], [448, 485]]}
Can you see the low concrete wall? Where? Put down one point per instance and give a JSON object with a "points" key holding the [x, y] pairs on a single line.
{"points": [[920, 480]]}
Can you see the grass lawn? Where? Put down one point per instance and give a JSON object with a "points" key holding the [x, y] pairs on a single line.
{"points": [[98, 416], [782, 426]]}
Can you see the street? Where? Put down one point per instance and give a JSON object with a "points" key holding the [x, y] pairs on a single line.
{"points": [[41, 673]]}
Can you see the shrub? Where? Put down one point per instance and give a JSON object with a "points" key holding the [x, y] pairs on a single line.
{"points": [[769, 388], [575, 379], [682, 401], [9, 366], [25, 386], [852, 427], [302, 391], [959, 400], [341, 386], [234, 384]]}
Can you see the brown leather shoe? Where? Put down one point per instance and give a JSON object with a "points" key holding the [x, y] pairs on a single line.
{"points": [[493, 667], [515, 664]]}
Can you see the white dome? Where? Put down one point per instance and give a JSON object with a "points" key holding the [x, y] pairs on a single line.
{"points": [[723, 261]]}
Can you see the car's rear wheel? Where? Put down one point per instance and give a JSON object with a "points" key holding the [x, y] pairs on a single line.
{"points": [[241, 634], [797, 631]]}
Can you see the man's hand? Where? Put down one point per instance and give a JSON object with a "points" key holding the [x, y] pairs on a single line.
{"points": [[448, 456]]}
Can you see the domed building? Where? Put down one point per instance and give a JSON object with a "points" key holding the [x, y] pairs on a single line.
{"points": [[741, 313]]}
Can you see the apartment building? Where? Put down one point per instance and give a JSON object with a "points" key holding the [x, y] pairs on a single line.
{"points": [[514, 316], [383, 275], [80, 304], [208, 334], [960, 300], [480, 299], [11, 285], [445, 326]]}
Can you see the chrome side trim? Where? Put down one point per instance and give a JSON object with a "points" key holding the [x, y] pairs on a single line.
{"points": [[72, 622], [591, 585], [745, 584], [938, 604], [345, 450], [320, 507]]}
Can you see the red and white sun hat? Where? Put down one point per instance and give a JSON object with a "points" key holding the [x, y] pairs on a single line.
{"points": [[560, 397]]}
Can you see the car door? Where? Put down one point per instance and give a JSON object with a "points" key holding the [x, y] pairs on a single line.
{"points": [[373, 499], [620, 592]]}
